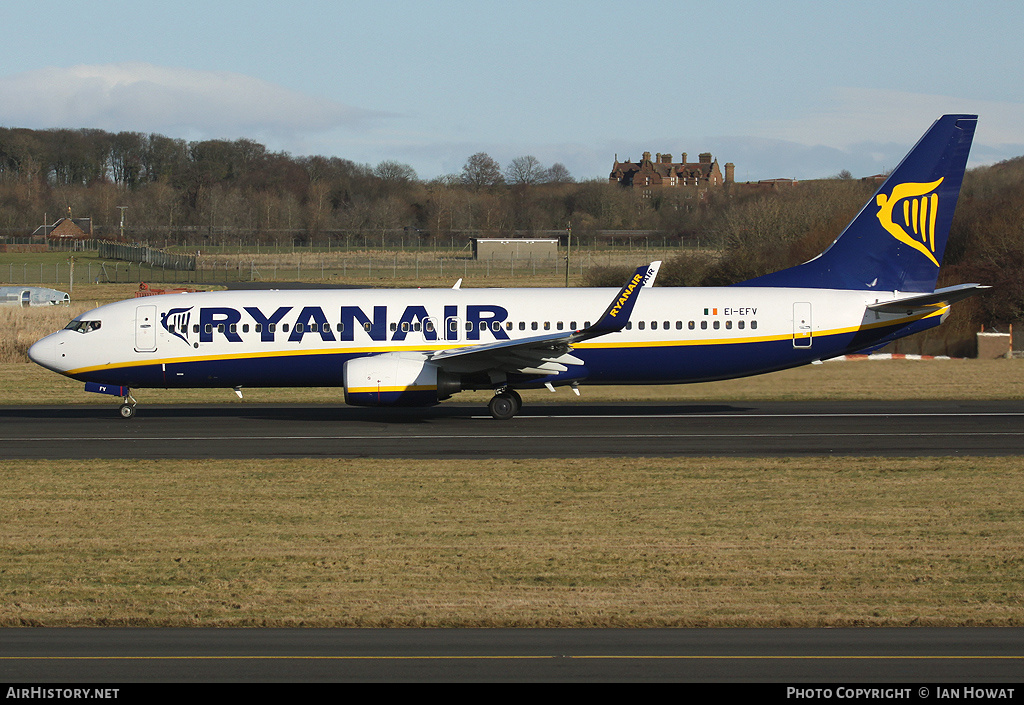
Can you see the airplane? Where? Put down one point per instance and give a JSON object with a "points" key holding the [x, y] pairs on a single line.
{"points": [[417, 347]]}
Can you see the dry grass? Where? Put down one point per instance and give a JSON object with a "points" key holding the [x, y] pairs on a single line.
{"points": [[610, 543]]}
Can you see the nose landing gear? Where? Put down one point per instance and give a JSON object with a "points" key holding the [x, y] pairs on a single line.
{"points": [[127, 409]]}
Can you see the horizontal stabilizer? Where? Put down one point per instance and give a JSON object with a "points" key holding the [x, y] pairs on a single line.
{"points": [[923, 302]]}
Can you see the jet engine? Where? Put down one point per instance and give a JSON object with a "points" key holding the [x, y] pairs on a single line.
{"points": [[397, 379]]}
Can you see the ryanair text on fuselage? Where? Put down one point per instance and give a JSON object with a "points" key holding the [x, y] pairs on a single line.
{"points": [[312, 320]]}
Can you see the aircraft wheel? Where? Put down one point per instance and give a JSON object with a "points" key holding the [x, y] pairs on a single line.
{"points": [[516, 398], [503, 406], [127, 411]]}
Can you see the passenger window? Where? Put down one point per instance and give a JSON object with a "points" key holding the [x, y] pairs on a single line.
{"points": [[717, 325], [753, 324], [728, 325], [703, 325], [691, 325], [641, 324], [258, 327], [533, 326], [522, 325], [740, 325], [547, 325], [559, 325]]}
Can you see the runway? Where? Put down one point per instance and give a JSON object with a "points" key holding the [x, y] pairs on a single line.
{"points": [[901, 428], [914, 658]]}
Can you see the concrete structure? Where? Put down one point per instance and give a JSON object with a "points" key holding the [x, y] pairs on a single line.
{"points": [[514, 248], [992, 346]]}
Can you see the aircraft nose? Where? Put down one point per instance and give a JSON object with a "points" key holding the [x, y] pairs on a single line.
{"points": [[44, 352]]}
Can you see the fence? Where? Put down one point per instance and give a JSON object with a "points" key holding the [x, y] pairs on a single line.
{"points": [[146, 255], [336, 268]]}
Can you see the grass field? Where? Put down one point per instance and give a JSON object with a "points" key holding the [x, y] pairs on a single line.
{"points": [[489, 543]]}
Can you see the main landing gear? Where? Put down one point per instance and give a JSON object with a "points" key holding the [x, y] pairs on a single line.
{"points": [[505, 404]]}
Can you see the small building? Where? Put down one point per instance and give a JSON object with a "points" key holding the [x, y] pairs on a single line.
{"points": [[65, 229], [515, 248]]}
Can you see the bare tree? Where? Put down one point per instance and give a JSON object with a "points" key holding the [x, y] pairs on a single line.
{"points": [[481, 171], [524, 170], [558, 174], [394, 171]]}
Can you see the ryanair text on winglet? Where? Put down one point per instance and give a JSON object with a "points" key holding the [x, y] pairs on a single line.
{"points": [[627, 291]]}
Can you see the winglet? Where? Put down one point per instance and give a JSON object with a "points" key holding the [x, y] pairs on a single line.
{"points": [[619, 310]]}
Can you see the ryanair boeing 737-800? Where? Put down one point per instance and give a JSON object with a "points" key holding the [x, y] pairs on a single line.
{"points": [[417, 347]]}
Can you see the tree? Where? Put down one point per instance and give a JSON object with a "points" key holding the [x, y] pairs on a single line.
{"points": [[481, 171], [394, 172], [558, 174], [525, 171]]}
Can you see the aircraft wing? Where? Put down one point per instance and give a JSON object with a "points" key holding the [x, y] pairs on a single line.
{"points": [[550, 353], [927, 302]]}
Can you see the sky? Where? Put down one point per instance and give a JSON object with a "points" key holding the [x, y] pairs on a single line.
{"points": [[782, 89]]}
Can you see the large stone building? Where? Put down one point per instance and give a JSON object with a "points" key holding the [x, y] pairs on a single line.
{"points": [[690, 178]]}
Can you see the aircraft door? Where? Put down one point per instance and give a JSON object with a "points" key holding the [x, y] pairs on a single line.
{"points": [[145, 329], [802, 335]]}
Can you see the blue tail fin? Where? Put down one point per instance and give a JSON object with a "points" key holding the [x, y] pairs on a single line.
{"points": [[897, 240]]}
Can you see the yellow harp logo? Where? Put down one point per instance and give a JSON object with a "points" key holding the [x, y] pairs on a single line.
{"points": [[920, 207]]}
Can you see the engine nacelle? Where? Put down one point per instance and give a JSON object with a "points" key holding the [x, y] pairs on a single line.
{"points": [[397, 379]]}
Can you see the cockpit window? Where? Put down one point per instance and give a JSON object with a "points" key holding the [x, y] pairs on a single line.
{"points": [[83, 326]]}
